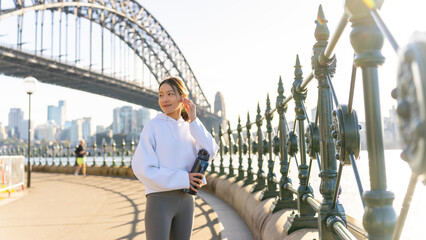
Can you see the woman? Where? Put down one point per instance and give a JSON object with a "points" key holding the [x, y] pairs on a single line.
{"points": [[167, 148]]}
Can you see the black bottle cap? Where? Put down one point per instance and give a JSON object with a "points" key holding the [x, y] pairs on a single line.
{"points": [[203, 154]]}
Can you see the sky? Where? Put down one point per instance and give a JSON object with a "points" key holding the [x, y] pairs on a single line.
{"points": [[239, 48]]}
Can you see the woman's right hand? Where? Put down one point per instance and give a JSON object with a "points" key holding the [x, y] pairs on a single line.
{"points": [[194, 181], [191, 109]]}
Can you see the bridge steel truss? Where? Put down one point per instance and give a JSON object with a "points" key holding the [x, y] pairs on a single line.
{"points": [[135, 26]]}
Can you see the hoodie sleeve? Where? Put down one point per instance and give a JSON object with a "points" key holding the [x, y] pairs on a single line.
{"points": [[203, 139], [147, 169]]}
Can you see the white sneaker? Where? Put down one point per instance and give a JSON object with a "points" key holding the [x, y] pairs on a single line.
{"points": [[75, 174]]}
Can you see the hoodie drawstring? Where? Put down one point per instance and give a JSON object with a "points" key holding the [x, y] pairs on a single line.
{"points": [[171, 127]]}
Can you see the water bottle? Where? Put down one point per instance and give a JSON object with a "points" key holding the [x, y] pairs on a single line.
{"points": [[200, 166]]}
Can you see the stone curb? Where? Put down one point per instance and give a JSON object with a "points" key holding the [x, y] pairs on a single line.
{"points": [[257, 215]]}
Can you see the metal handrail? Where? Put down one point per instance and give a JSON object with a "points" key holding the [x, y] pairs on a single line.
{"points": [[290, 187], [342, 231], [312, 202]]}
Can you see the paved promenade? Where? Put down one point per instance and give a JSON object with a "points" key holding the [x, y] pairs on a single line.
{"points": [[63, 206]]}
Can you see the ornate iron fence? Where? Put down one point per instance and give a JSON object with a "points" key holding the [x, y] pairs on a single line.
{"points": [[58, 154], [333, 137]]}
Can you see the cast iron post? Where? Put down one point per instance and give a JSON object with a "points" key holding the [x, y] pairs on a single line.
{"points": [[104, 145], [94, 154], [68, 154], [113, 149], [212, 166], [299, 96], [324, 68], [367, 41], [231, 151], [123, 149], [40, 149], [132, 151], [249, 179], [240, 152], [260, 180], [53, 155], [271, 190], [46, 152], [286, 197], [221, 167], [305, 218], [60, 154]]}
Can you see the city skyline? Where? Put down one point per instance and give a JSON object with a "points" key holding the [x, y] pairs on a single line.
{"points": [[127, 120]]}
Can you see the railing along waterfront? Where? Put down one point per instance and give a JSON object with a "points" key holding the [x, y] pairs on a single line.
{"points": [[332, 138], [58, 154]]}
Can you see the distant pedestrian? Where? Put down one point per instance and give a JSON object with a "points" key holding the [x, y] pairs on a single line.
{"points": [[167, 148], [80, 154]]}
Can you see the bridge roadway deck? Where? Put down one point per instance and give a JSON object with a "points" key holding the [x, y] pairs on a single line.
{"points": [[63, 206]]}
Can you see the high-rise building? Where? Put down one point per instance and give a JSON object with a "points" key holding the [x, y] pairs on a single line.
{"points": [[23, 130], [129, 121], [116, 121], [76, 131], [57, 114], [3, 133], [86, 128], [126, 120], [47, 132], [63, 106], [16, 116], [143, 116], [100, 129]]}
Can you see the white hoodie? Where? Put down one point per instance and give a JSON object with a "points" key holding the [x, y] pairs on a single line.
{"points": [[166, 152]]}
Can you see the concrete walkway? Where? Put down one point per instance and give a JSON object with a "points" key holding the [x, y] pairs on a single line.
{"points": [[63, 206]]}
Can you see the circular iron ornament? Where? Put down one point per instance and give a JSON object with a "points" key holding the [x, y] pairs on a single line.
{"points": [[225, 149], [276, 145], [254, 147], [292, 146], [345, 132], [235, 148], [411, 107], [265, 147], [312, 140], [245, 148]]}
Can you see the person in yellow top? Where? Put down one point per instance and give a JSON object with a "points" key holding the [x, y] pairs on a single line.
{"points": [[80, 154]]}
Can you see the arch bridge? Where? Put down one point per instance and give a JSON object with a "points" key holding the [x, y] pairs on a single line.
{"points": [[108, 48]]}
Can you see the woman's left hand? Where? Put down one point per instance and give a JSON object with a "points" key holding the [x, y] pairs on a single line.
{"points": [[190, 109]]}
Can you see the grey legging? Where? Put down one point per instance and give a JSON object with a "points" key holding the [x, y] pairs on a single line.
{"points": [[169, 215]]}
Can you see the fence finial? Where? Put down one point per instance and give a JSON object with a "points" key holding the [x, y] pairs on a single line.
{"points": [[321, 31]]}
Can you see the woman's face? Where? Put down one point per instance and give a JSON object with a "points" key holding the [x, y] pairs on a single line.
{"points": [[169, 101]]}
